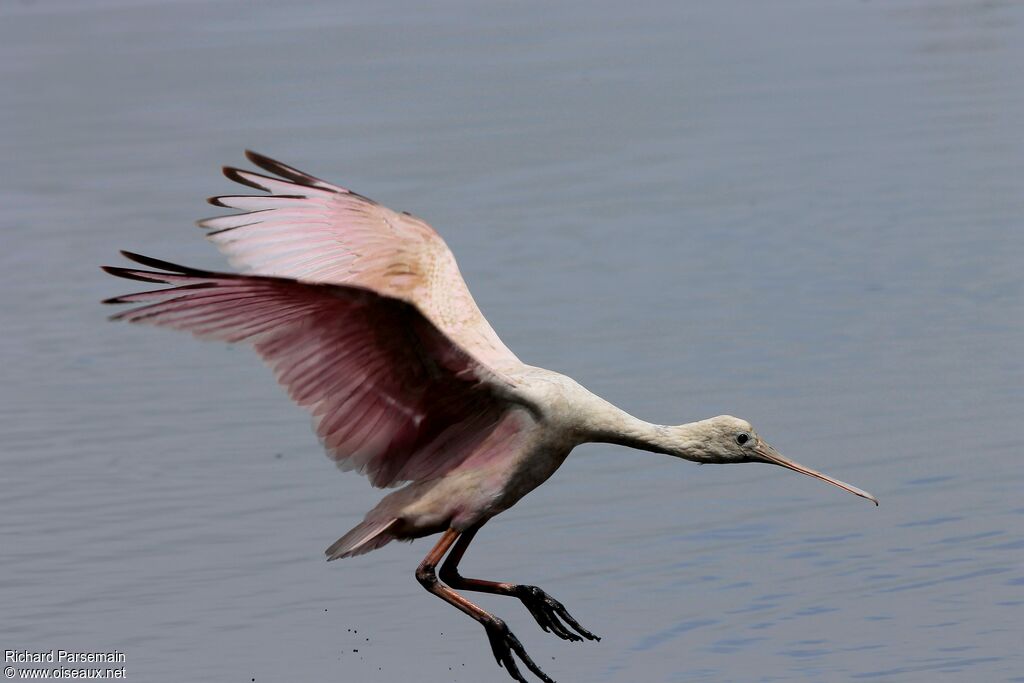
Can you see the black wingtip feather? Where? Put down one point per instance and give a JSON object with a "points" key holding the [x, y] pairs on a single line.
{"points": [[216, 201], [155, 262], [257, 158], [295, 175], [175, 268], [282, 170], [235, 174], [131, 275], [274, 166], [266, 163], [232, 173], [114, 300], [211, 233], [130, 298]]}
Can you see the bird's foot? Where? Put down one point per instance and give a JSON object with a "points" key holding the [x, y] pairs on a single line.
{"points": [[550, 614], [503, 644]]}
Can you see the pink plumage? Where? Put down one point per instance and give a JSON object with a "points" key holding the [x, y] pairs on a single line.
{"points": [[391, 395], [315, 231]]}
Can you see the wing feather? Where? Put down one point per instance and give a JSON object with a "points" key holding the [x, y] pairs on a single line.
{"points": [[392, 396], [315, 231]]}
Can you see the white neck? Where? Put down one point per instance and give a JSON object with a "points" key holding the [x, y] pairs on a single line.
{"points": [[619, 427]]}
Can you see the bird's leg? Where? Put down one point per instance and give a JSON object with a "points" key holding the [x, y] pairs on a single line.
{"points": [[548, 612], [503, 641]]}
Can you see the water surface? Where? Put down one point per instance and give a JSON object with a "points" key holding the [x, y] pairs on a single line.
{"points": [[807, 214]]}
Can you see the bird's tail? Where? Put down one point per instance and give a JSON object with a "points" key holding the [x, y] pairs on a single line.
{"points": [[369, 535]]}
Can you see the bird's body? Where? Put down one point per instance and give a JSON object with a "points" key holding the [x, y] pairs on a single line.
{"points": [[552, 415], [365, 319]]}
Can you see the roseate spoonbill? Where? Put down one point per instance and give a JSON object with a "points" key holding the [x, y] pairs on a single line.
{"points": [[365, 319]]}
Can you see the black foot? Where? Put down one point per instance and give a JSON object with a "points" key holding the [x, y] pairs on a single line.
{"points": [[547, 611], [503, 644]]}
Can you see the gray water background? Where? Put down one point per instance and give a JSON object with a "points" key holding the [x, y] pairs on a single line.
{"points": [[804, 213]]}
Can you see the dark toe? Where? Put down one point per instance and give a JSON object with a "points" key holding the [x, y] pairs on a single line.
{"points": [[503, 644], [550, 614]]}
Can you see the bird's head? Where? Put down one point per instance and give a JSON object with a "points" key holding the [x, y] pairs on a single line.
{"points": [[727, 439]]}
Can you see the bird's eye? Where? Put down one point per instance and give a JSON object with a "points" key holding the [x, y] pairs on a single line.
{"points": [[742, 438]]}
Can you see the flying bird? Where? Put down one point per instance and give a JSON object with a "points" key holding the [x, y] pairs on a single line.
{"points": [[366, 321]]}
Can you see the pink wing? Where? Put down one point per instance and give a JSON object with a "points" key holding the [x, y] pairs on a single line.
{"points": [[311, 230], [392, 396]]}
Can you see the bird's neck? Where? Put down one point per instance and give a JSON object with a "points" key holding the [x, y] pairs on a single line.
{"points": [[619, 427]]}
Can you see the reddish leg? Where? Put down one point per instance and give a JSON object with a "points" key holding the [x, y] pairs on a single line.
{"points": [[548, 612], [503, 642]]}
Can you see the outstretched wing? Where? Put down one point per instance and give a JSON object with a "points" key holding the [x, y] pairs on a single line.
{"points": [[314, 231], [392, 396]]}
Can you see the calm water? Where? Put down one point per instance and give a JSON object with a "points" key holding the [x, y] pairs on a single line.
{"points": [[804, 213]]}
